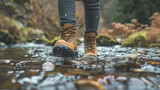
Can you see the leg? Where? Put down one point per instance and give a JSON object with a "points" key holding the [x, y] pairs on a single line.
{"points": [[92, 15], [67, 45], [67, 11]]}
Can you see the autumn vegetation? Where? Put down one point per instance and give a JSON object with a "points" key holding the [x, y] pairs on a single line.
{"points": [[129, 23]]}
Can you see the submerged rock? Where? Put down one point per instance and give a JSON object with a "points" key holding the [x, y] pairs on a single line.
{"points": [[126, 64], [136, 84], [113, 81]]}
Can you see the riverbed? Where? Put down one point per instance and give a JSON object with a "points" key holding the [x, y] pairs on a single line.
{"points": [[33, 67]]}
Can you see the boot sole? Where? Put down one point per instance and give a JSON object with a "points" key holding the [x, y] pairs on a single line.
{"points": [[64, 51]]}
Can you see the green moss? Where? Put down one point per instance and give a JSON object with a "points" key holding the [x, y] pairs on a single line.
{"points": [[138, 39], [10, 25], [52, 42], [14, 23], [47, 35], [29, 33], [105, 41], [155, 45], [141, 41], [6, 37], [143, 33], [128, 43], [27, 29]]}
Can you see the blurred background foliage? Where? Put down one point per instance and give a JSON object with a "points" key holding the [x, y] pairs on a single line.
{"points": [[38, 21], [123, 11]]}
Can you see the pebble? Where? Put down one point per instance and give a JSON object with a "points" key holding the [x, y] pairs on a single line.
{"points": [[48, 66]]}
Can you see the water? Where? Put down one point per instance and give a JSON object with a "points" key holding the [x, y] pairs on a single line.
{"points": [[32, 67]]}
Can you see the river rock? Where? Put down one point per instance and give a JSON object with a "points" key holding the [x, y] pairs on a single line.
{"points": [[48, 66], [136, 40], [105, 41], [6, 37], [89, 85], [136, 84]]}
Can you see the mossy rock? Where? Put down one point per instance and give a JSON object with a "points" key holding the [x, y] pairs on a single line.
{"points": [[141, 41], [10, 25], [19, 39], [15, 28], [28, 31], [138, 39], [155, 45], [53, 41], [30, 34], [6, 37], [103, 40]]}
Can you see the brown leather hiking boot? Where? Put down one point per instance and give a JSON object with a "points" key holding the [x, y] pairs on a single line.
{"points": [[67, 45], [90, 44]]}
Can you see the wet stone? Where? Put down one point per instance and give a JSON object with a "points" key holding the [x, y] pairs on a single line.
{"points": [[136, 84], [139, 70], [149, 83], [48, 66], [32, 66], [89, 85]]}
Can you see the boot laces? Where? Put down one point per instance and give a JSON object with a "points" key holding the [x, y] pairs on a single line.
{"points": [[68, 34], [90, 44]]}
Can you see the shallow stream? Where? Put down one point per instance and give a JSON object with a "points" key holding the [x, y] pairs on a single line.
{"points": [[32, 66]]}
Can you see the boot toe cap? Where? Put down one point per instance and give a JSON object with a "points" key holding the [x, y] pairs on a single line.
{"points": [[63, 42]]}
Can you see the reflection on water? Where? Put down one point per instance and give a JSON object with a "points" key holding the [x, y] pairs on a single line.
{"points": [[32, 66]]}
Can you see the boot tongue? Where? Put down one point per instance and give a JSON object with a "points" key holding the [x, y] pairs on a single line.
{"points": [[90, 42], [67, 25], [91, 34], [66, 30]]}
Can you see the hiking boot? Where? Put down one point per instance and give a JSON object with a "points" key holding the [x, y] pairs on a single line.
{"points": [[67, 45], [90, 44]]}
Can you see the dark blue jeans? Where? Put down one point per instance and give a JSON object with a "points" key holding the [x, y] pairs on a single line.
{"points": [[67, 9]]}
